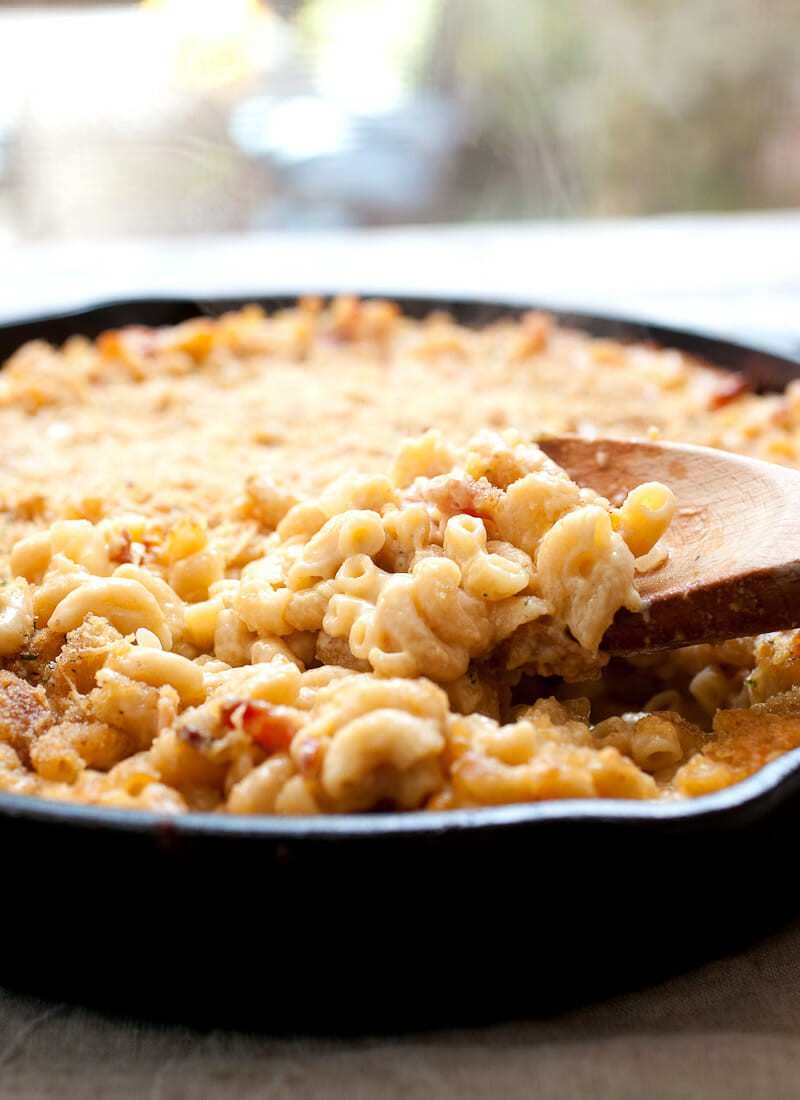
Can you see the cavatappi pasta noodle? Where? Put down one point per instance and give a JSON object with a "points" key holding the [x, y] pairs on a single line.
{"points": [[315, 563]]}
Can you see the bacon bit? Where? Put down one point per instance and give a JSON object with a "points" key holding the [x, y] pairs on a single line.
{"points": [[195, 337], [119, 548], [309, 757], [109, 343], [462, 495], [534, 336], [268, 725], [134, 343], [728, 390], [136, 340]]}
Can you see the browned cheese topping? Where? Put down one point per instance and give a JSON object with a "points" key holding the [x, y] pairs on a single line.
{"points": [[314, 562]]}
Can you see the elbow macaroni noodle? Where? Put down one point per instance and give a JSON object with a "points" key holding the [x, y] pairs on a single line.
{"points": [[344, 609]]}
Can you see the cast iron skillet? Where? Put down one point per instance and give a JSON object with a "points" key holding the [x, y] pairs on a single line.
{"points": [[364, 922]]}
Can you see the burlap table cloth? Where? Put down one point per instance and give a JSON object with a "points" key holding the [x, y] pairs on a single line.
{"points": [[729, 1029]]}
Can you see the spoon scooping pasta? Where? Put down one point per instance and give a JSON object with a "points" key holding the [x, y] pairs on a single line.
{"points": [[733, 564]]}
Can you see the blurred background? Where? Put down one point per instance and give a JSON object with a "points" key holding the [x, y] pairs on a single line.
{"points": [[183, 116]]}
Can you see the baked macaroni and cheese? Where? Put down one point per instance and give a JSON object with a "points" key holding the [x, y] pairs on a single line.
{"points": [[314, 562]]}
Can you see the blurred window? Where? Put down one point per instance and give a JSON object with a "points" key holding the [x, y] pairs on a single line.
{"points": [[179, 116]]}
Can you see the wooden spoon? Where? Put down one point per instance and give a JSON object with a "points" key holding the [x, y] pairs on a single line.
{"points": [[734, 542]]}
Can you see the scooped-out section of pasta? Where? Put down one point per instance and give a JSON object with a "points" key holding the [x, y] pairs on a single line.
{"points": [[315, 563]]}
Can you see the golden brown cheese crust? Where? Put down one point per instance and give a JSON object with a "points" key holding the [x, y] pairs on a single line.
{"points": [[24, 715]]}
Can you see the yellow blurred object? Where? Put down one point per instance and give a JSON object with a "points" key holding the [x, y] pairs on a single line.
{"points": [[217, 41]]}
